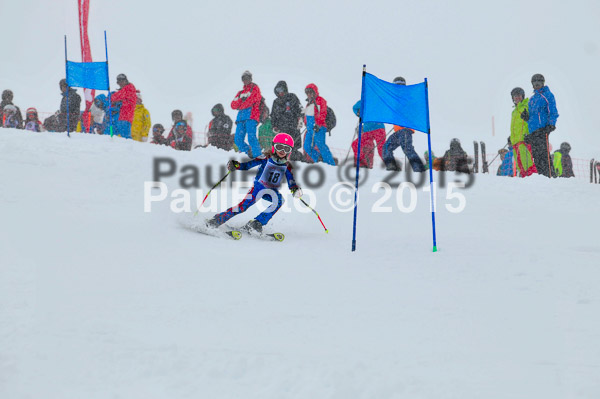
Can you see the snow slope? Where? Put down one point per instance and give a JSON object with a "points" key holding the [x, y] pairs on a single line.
{"points": [[99, 299]]}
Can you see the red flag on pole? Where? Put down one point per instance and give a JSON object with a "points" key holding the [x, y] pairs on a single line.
{"points": [[86, 51]]}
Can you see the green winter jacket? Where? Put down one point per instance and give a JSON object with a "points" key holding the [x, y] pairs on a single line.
{"points": [[266, 135], [518, 130], [558, 169]]}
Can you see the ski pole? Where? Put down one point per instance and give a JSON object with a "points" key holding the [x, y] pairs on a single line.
{"points": [[548, 149], [215, 186], [349, 148], [492, 161], [309, 207]]}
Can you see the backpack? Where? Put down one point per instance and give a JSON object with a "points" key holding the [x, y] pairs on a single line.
{"points": [[330, 120], [263, 110]]}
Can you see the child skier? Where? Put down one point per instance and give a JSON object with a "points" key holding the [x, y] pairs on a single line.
{"points": [[32, 122], [272, 167]]}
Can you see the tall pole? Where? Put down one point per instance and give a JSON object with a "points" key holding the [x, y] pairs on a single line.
{"points": [[67, 79], [110, 127], [362, 107], [431, 185]]}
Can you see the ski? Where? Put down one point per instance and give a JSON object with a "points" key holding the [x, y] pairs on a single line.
{"points": [[265, 236], [202, 228], [484, 164], [476, 157], [597, 172], [592, 171], [233, 234]]}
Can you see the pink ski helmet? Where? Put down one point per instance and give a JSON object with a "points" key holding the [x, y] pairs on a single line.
{"points": [[282, 138]]}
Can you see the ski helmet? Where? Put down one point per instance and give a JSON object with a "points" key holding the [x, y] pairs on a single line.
{"points": [[158, 128], [31, 111], [517, 91], [10, 109], [566, 147], [399, 80], [538, 77], [181, 127], [283, 138]]}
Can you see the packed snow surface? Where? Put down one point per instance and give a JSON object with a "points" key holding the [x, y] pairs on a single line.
{"points": [[100, 299]]}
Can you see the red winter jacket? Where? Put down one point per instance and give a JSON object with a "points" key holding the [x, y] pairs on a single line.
{"points": [[128, 98], [248, 97], [320, 106]]}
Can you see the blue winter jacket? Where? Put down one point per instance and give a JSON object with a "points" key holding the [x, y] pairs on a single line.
{"points": [[506, 168], [542, 109], [367, 126], [115, 109]]}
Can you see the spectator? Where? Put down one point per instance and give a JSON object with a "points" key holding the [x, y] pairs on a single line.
{"points": [[315, 115], [127, 98], [247, 102], [371, 131], [141, 120], [507, 162], [157, 134], [286, 117], [69, 110], [542, 116], [179, 139], [32, 122], [177, 116], [10, 119], [265, 131], [518, 131], [219, 129], [455, 158], [98, 113], [426, 157], [563, 164], [111, 115], [7, 98]]}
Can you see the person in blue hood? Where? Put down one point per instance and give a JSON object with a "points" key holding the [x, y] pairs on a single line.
{"points": [[541, 117]]}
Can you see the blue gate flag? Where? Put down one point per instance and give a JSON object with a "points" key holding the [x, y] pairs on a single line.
{"points": [[89, 75], [401, 105]]}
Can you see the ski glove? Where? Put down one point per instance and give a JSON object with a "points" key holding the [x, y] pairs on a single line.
{"points": [[550, 128], [296, 192], [233, 165], [525, 115], [317, 128]]}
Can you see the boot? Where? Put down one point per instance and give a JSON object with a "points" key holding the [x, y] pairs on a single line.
{"points": [[391, 165], [254, 226], [212, 223]]}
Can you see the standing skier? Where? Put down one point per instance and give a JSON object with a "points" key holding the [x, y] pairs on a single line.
{"points": [[272, 168], [247, 102], [315, 115], [519, 130], [541, 116]]}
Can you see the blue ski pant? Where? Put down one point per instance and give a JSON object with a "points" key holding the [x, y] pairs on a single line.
{"points": [[313, 149], [403, 139], [123, 129], [257, 192], [243, 128]]}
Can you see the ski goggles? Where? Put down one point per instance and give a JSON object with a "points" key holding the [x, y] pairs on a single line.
{"points": [[283, 148]]}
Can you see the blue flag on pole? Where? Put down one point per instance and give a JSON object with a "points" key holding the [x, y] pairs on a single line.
{"points": [[89, 75], [401, 105]]}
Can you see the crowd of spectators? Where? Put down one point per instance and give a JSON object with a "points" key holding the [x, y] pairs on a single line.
{"points": [[122, 113]]}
